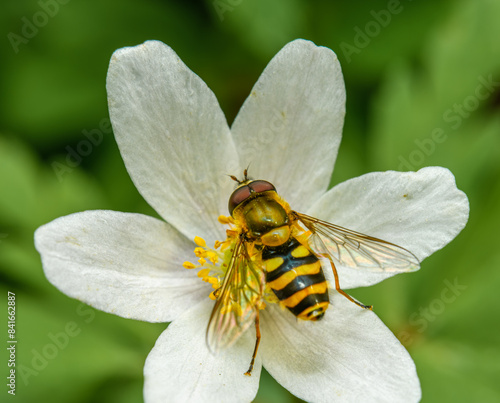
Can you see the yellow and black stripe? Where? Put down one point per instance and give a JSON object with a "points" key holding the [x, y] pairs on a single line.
{"points": [[294, 274]]}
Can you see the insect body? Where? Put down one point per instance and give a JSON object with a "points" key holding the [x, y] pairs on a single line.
{"points": [[294, 274], [275, 249]]}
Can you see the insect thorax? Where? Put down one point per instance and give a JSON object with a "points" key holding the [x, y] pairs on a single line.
{"points": [[265, 218]]}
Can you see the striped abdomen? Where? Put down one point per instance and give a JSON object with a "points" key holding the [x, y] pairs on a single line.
{"points": [[295, 276]]}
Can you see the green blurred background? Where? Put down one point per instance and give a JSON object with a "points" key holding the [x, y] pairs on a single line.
{"points": [[423, 80]]}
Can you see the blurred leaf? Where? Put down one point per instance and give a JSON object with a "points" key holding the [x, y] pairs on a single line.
{"points": [[54, 81], [33, 194], [93, 346], [367, 36], [464, 49], [263, 26], [465, 374], [61, 353], [271, 391], [419, 116]]}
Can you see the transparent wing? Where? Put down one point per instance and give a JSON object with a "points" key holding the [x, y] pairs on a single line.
{"points": [[238, 299], [353, 249]]}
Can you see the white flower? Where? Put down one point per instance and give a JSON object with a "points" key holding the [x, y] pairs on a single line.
{"points": [[178, 149]]}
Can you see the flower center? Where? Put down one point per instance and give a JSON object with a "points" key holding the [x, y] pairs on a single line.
{"points": [[213, 263]]}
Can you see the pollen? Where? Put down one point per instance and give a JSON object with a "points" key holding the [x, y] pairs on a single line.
{"points": [[189, 265], [213, 281], [225, 220], [200, 241], [213, 256], [212, 262], [200, 252], [223, 245], [203, 273]]}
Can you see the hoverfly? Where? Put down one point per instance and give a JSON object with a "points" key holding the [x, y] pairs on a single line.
{"points": [[274, 248]]}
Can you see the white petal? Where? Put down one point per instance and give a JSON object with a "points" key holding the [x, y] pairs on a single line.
{"points": [[122, 263], [180, 368], [289, 128], [420, 211], [173, 137], [348, 356]]}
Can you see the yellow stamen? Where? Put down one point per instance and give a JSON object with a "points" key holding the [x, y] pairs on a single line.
{"points": [[200, 252], [225, 220], [212, 256], [224, 245], [202, 261], [212, 280], [203, 273], [212, 296], [189, 265], [199, 241]]}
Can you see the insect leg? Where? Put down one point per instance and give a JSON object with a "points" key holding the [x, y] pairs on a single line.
{"points": [[337, 287], [257, 341]]}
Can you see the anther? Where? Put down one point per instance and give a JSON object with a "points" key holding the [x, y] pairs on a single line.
{"points": [[225, 220], [199, 241], [203, 273], [200, 252]]}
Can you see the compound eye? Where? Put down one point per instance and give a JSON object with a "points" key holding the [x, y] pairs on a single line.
{"points": [[238, 197], [260, 186]]}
